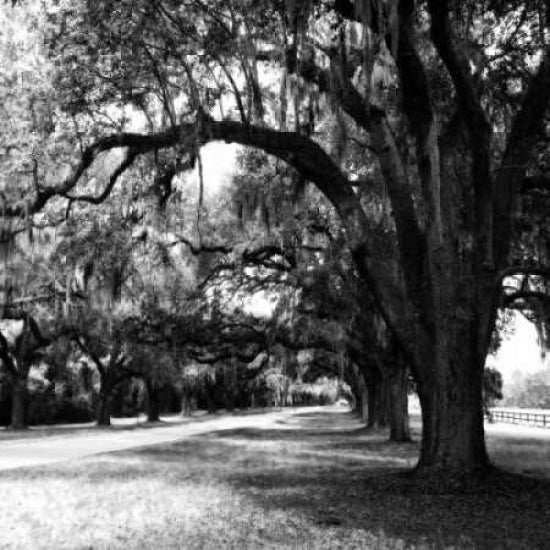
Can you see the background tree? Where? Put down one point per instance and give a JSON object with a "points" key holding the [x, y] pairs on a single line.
{"points": [[492, 389]]}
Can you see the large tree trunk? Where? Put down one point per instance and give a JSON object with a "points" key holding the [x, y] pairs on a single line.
{"points": [[453, 438], [399, 404], [19, 404]]}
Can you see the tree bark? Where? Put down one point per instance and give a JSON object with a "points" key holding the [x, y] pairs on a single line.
{"points": [[103, 410], [153, 403], [209, 396], [377, 401], [363, 398], [399, 404], [453, 437], [229, 398], [357, 382], [186, 404], [19, 404]]}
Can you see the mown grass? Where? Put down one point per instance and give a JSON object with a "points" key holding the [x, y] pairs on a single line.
{"points": [[317, 481]]}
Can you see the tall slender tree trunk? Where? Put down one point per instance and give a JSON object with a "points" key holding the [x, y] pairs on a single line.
{"points": [[377, 400], [210, 401], [363, 408], [229, 398], [19, 404], [103, 410], [153, 403], [360, 393], [186, 404], [352, 382]]}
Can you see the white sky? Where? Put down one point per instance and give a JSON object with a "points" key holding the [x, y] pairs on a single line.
{"points": [[520, 352], [219, 162]]}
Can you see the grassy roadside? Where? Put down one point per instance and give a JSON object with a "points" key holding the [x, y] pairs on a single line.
{"points": [[70, 430], [320, 481], [117, 425]]}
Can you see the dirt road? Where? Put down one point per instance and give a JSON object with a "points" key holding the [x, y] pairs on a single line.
{"points": [[26, 452]]}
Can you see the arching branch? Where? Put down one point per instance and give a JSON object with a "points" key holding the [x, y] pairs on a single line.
{"points": [[299, 151]]}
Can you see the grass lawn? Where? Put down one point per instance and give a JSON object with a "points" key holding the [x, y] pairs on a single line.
{"points": [[318, 481], [73, 430]]}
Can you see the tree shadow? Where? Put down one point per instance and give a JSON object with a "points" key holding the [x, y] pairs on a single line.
{"points": [[357, 480]]}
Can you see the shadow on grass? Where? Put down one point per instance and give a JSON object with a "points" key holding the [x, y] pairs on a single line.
{"points": [[357, 480]]}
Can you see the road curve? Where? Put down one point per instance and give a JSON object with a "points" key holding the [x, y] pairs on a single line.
{"points": [[21, 453]]}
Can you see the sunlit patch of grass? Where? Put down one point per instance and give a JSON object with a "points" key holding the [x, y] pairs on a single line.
{"points": [[317, 481]]}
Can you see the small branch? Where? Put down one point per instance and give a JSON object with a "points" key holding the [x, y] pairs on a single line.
{"points": [[197, 250], [509, 299], [523, 270], [89, 353], [535, 183], [124, 165]]}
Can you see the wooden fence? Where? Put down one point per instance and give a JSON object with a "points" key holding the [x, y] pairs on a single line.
{"points": [[532, 417]]}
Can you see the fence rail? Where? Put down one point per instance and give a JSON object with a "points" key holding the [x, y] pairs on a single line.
{"points": [[540, 418]]}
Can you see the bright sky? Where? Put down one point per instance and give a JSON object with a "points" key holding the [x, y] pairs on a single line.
{"points": [[520, 352], [219, 162]]}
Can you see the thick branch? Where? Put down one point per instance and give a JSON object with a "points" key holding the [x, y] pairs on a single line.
{"points": [[410, 239], [90, 354], [197, 250], [458, 65], [523, 137], [6, 357], [138, 144], [335, 82]]}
